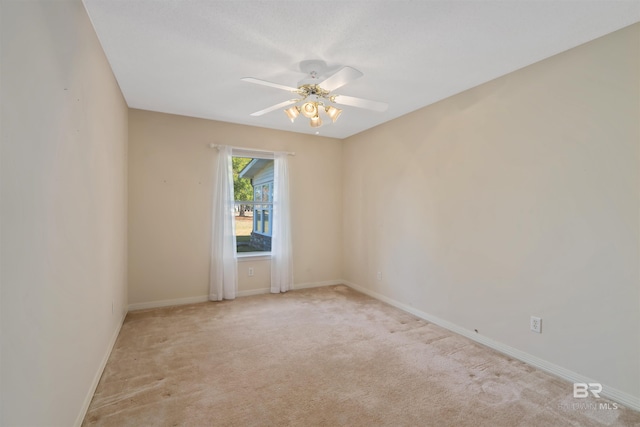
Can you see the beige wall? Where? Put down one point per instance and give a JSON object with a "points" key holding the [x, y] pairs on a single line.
{"points": [[63, 184], [517, 198], [170, 189]]}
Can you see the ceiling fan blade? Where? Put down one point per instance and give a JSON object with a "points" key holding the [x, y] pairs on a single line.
{"points": [[270, 84], [275, 107], [360, 103], [340, 78]]}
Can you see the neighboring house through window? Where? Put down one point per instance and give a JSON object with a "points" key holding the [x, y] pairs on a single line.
{"points": [[260, 173]]}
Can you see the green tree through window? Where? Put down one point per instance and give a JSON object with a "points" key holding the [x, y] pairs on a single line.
{"points": [[242, 188], [253, 195]]}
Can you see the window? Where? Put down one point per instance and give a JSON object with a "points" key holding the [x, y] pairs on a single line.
{"points": [[263, 208], [261, 169], [253, 195]]}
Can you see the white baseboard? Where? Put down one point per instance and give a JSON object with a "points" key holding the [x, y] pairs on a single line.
{"points": [[616, 395], [253, 292], [205, 298], [168, 302], [295, 286], [317, 284], [98, 375]]}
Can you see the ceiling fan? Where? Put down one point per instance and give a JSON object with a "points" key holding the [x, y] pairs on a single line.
{"points": [[315, 96]]}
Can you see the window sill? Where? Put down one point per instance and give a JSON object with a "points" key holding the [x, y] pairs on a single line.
{"points": [[253, 256]]}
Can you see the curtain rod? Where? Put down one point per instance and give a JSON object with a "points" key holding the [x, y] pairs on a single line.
{"points": [[290, 153]]}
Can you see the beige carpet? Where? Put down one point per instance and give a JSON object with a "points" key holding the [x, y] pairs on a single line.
{"points": [[321, 357]]}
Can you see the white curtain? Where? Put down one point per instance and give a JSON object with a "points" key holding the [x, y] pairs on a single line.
{"points": [[223, 277], [281, 252]]}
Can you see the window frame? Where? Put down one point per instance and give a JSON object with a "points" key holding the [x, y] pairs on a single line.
{"points": [[248, 153], [262, 210]]}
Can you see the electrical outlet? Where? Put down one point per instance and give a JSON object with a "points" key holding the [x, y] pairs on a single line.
{"points": [[536, 324], [379, 275], [250, 271]]}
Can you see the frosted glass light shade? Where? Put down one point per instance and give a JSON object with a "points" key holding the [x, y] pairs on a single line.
{"points": [[333, 112], [310, 109], [316, 122], [292, 112]]}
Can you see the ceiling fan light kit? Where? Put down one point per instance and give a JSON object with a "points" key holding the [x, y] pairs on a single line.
{"points": [[333, 112], [292, 112], [310, 109], [319, 93], [316, 122]]}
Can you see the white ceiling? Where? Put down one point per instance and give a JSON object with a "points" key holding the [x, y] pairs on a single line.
{"points": [[187, 57]]}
